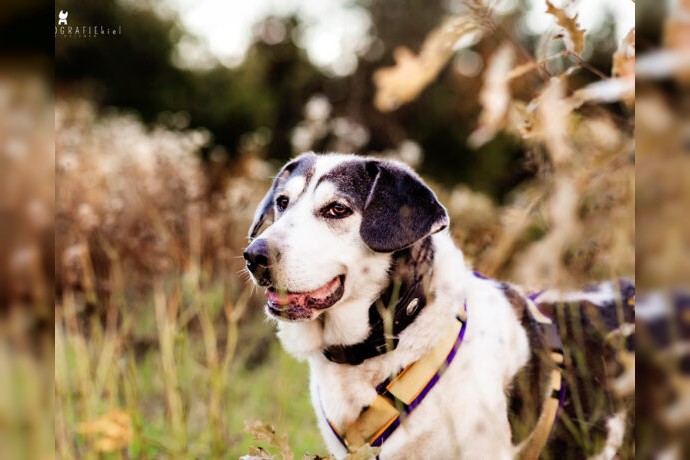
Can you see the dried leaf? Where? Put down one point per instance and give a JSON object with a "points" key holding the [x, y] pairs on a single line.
{"points": [[529, 66], [317, 457], [624, 57], [495, 96], [622, 86], [553, 111], [412, 73], [611, 90], [257, 453], [264, 432], [574, 36], [109, 433], [523, 119], [364, 452]]}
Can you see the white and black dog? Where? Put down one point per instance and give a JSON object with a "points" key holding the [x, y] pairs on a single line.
{"points": [[409, 350]]}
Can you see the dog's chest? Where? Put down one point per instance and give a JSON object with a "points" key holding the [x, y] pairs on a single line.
{"points": [[466, 410]]}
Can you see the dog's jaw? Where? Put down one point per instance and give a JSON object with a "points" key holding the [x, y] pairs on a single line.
{"points": [[343, 323], [346, 322]]}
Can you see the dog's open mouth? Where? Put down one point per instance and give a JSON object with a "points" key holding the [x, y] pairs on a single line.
{"points": [[299, 305]]}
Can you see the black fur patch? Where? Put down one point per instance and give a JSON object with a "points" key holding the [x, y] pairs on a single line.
{"points": [[352, 179], [302, 165], [397, 208], [400, 209], [592, 361]]}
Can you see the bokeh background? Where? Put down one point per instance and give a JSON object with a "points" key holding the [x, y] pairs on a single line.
{"points": [[520, 114], [166, 138]]}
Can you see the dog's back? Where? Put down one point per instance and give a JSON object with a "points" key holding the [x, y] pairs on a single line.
{"points": [[596, 329]]}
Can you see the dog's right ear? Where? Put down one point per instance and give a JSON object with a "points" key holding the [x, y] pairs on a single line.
{"points": [[265, 213], [400, 209]]}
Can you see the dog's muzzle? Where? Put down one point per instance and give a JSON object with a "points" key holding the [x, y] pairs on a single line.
{"points": [[257, 258]]}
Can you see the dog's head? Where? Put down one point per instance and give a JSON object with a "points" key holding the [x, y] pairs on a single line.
{"points": [[332, 222]]}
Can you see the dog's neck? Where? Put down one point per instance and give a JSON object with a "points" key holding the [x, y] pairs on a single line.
{"points": [[395, 309]]}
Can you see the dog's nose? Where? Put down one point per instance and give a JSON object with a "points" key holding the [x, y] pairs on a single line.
{"points": [[256, 256]]}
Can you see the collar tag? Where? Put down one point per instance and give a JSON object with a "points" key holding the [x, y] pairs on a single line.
{"points": [[412, 306]]}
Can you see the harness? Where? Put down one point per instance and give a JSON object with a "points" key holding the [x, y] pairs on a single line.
{"points": [[535, 442], [399, 395]]}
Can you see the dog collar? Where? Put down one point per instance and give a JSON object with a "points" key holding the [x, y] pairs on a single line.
{"points": [[411, 303], [402, 301], [398, 396]]}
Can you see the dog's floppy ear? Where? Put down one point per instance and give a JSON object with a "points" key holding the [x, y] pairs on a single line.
{"points": [[400, 209], [265, 213]]}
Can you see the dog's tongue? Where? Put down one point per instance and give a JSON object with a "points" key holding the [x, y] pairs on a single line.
{"points": [[300, 298], [282, 298]]}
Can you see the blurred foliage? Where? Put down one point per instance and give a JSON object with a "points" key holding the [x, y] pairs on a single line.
{"points": [[662, 199], [135, 71], [27, 201], [266, 93], [161, 345]]}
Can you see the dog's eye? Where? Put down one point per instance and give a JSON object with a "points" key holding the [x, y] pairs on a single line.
{"points": [[282, 202], [337, 210]]}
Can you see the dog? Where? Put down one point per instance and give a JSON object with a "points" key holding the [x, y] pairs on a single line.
{"points": [[411, 354]]}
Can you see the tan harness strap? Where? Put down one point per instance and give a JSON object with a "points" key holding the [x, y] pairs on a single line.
{"points": [[402, 393], [532, 447], [534, 444], [371, 423]]}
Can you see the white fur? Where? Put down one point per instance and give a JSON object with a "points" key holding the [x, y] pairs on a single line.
{"points": [[616, 432], [465, 415], [604, 294]]}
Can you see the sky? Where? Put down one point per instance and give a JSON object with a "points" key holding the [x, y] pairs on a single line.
{"points": [[336, 31]]}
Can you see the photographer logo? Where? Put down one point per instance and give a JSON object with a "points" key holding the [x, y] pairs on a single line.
{"points": [[64, 30]]}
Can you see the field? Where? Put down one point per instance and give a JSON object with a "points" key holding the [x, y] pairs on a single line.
{"points": [[181, 356], [191, 400], [162, 348]]}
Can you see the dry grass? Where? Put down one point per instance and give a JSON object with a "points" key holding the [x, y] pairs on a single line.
{"points": [[151, 298]]}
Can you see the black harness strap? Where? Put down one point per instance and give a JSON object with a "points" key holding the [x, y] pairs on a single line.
{"points": [[410, 270], [376, 343]]}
